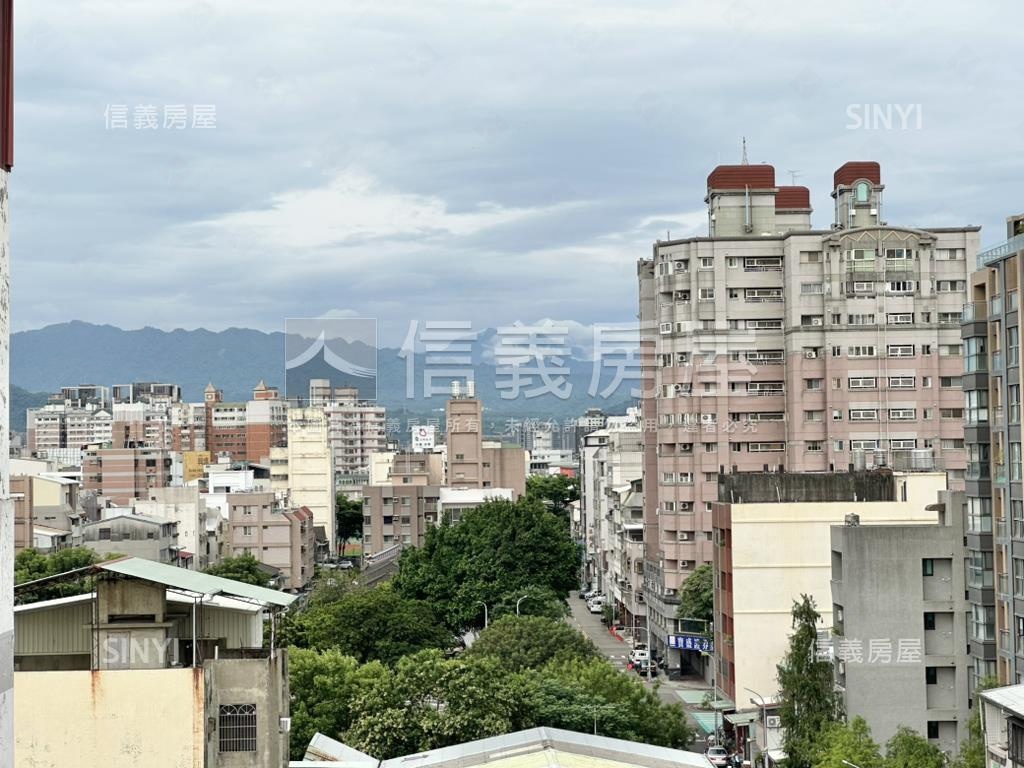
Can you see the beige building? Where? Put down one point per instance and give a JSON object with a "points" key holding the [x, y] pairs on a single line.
{"points": [[473, 461], [771, 344], [186, 507], [768, 553], [306, 467], [176, 660], [259, 524]]}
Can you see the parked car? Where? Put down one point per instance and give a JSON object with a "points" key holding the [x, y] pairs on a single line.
{"points": [[346, 565], [595, 606], [718, 757], [643, 667], [639, 654]]}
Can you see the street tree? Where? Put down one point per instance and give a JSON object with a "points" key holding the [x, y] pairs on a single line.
{"points": [[697, 595], [556, 492], [371, 624], [323, 685], [909, 749], [244, 568], [491, 555], [809, 704], [428, 702], [530, 642], [847, 742], [31, 565], [348, 519]]}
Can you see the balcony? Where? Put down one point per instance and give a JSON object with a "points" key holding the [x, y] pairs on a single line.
{"points": [[1012, 301], [1008, 248], [999, 473], [977, 470], [997, 361]]}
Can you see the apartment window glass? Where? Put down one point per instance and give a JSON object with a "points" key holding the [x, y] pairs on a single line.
{"points": [[813, 385], [1015, 457], [929, 621], [901, 382], [1013, 398], [931, 675], [927, 567], [863, 382], [1018, 577], [707, 294], [814, 446], [236, 728], [814, 415], [899, 318], [900, 350], [707, 262], [861, 319], [863, 195], [979, 515], [979, 569], [976, 410], [810, 288], [1017, 518], [1013, 345], [861, 351]]}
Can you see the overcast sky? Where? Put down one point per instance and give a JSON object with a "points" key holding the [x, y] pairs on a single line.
{"points": [[483, 161]]}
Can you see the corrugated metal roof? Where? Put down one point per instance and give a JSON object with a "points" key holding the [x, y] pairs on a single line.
{"points": [[1010, 697], [551, 740], [180, 578]]}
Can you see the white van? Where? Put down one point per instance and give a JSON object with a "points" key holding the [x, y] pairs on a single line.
{"points": [[639, 654]]}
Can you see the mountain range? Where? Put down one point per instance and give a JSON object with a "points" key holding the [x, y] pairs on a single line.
{"points": [[235, 359]]}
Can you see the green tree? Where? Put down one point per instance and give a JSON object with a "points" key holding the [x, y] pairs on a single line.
{"points": [[244, 568], [530, 642], [909, 749], [491, 555], [642, 715], [697, 595], [556, 492], [31, 565], [809, 704], [371, 624], [428, 702], [972, 749], [847, 741], [323, 685], [348, 518]]}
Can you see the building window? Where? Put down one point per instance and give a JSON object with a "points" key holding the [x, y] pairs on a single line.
{"points": [[814, 446], [933, 729], [236, 728], [863, 194], [931, 675], [929, 621], [813, 385], [707, 294], [927, 567], [707, 262]]}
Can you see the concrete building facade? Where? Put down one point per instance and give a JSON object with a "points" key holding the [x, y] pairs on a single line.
{"points": [[773, 544], [899, 617], [261, 525], [771, 344], [995, 479], [124, 474]]}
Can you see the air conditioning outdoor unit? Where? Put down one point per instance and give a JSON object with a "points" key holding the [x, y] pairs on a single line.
{"points": [[772, 721], [811, 354], [816, 321]]}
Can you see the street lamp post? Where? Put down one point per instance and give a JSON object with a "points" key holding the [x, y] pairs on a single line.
{"points": [[485, 613], [764, 722], [519, 601]]}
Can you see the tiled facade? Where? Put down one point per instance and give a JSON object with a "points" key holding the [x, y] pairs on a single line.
{"points": [[771, 344]]}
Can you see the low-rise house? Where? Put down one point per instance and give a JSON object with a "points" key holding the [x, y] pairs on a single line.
{"points": [[176, 659], [124, 533]]}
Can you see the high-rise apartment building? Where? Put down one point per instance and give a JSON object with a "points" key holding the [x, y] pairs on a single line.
{"points": [[770, 344], [992, 412], [124, 474], [357, 431], [266, 423]]}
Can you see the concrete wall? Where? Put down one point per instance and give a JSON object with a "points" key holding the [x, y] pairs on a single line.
{"points": [[263, 683], [140, 718], [780, 551], [879, 583]]}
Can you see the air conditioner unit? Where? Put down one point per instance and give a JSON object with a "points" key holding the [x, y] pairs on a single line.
{"points": [[811, 354], [685, 536], [772, 721], [286, 724], [816, 321]]}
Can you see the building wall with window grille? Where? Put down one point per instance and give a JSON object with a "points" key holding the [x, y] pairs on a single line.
{"points": [[862, 300]]}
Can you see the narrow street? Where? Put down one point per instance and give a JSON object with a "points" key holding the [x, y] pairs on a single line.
{"points": [[687, 691]]}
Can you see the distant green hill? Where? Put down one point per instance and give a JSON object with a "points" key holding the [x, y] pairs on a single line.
{"points": [[22, 400]]}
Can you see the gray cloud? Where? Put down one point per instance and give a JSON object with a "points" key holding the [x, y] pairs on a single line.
{"points": [[491, 161]]}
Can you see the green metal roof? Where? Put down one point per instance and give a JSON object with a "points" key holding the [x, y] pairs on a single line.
{"points": [[193, 581]]}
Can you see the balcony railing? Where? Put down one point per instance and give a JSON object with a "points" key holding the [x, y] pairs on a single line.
{"points": [[1000, 251]]}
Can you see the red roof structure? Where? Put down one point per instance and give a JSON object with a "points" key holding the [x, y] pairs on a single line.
{"points": [[850, 172], [742, 176]]}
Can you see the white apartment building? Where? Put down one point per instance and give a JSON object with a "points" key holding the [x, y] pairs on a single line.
{"points": [[771, 344], [356, 432], [611, 500]]}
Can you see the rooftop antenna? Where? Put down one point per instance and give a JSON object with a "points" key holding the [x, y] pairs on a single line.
{"points": [[792, 177], [743, 160]]}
